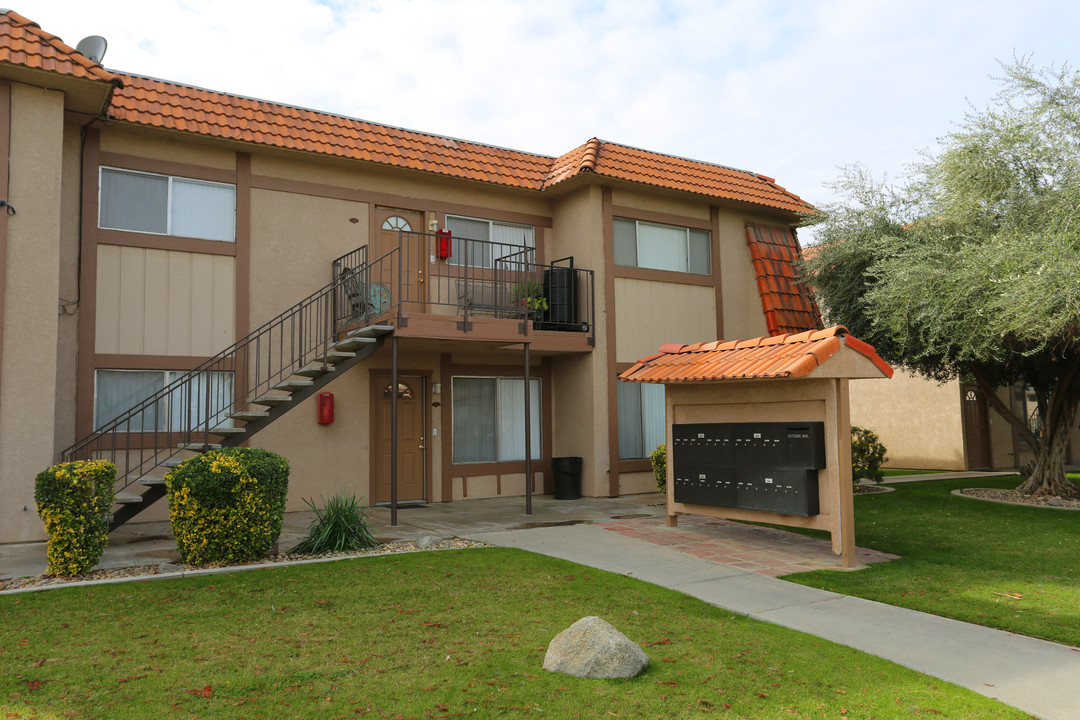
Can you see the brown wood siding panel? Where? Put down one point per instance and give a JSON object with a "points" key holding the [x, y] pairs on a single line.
{"points": [[165, 242]]}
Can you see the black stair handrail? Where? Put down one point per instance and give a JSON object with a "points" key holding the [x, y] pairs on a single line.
{"points": [[155, 430]]}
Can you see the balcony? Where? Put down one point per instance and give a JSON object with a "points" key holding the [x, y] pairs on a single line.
{"points": [[473, 290]]}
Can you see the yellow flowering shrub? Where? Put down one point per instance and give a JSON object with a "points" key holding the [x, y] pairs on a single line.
{"points": [[227, 506], [73, 500]]}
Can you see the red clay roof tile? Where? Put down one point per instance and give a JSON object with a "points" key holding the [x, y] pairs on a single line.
{"points": [[790, 356], [788, 304], [23, 42]]}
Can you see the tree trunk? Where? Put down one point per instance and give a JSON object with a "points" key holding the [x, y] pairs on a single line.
{"points": [[1048, 476]]}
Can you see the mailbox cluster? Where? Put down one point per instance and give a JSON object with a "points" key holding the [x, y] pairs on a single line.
{"points": [[754, 466]]}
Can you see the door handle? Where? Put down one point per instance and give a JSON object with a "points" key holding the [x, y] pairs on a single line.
{"points": [[421, 442]]}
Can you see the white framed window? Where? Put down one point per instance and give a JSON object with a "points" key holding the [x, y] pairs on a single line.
{"points": [[498, 240], [662, 247], [489, 419], [165, 205], [117, 391], [641, 419]]}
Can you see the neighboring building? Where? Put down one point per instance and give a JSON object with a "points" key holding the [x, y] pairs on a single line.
{"points": [[156, 225]]}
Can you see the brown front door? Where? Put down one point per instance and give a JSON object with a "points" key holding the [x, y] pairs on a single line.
{"points": [[401, 226], [411, 436], [976, 427]]}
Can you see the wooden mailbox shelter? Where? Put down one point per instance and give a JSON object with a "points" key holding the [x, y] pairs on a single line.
{"points": [[725, 400]]}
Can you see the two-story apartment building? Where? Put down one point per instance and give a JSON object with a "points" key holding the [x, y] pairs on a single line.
{"points": [[181, 268]]}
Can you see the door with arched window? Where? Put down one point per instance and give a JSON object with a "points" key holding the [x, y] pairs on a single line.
{"points": [[411, 438], [404, 227]]}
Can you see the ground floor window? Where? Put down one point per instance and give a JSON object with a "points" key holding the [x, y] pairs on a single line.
{"points": [[184, 408], [641, 419], [489, 419]]}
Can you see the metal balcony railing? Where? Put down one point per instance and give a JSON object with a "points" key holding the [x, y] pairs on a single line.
{"points": [[478, 279]]}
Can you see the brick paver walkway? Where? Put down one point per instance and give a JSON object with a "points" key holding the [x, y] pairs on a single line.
{"points": [[757, 549]]}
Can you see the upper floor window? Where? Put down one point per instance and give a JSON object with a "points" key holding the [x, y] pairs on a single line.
{"points": [[662, 247], [165, 205], [499, 240]]}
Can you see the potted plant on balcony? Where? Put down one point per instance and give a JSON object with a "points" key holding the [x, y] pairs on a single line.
{"points": [[530, 294]]}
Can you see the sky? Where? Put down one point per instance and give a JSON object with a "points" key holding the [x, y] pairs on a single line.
{"points": [[791, 89]]}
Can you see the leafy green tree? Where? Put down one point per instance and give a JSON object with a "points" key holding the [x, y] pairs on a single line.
{"points": [[971, 267]]}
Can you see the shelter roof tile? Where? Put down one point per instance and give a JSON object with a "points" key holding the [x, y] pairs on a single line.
{"points": [[789, 355]]}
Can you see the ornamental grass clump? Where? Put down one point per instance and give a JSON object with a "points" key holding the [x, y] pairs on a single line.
{"points": [[341, 525], [227, 506], [867, 455], [73, 500]]}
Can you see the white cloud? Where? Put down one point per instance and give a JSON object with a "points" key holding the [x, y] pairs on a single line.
{"points": [[790, 89]]}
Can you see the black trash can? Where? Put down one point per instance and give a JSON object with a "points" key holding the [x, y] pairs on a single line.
{"points": [[567, 476]]}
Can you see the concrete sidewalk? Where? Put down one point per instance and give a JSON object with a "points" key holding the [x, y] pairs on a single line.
{"points": [[1036, 676]]}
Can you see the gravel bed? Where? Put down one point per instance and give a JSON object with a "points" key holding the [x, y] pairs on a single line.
{"points": [[1018, 498], [114, 574]]}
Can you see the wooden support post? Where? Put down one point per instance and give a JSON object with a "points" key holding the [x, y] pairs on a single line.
{"points": [[393, 429], [528, 435]]}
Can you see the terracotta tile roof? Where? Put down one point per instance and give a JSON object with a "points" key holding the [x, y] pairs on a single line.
{"points": [[23, 42], [668, 171], [146, 101], [777, 356], [788, 304]]}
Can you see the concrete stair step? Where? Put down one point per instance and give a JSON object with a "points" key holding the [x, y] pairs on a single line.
{"points": [[171, 462], [292, 385], [334, 357], [227, 431], [150, 480], [351, 343], [199, 447], [272, 400], [249, 415], [125, 497], [314, 371], [372, 331]]}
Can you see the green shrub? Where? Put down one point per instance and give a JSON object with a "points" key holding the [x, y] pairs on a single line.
{"points": [[73, 500], [867, 455], [227, 506], [658, 458], [340, 526]]}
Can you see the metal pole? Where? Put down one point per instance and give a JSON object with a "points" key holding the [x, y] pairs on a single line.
{"points": [[393, 430], [528, 437]]}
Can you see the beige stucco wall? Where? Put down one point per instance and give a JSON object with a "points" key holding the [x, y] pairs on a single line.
{"points": [[127, 141], [918, 420], [581, 406], [743, 315], [294, 239], [649, 314], [164, 302], [623, 197], [416, 186], [27, 408]]}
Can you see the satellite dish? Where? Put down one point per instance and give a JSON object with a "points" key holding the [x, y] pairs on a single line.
{"points": [[93, 47]]}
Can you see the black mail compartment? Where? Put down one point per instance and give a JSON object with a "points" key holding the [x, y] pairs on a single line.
{"points": [[702, 484], [771, 467], [704, 443], [787, 491]]}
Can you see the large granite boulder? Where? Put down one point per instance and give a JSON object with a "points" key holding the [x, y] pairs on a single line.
{"points": [[592, 648]]}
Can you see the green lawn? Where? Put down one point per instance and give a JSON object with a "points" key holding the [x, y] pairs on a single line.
{"points": [[968, 559], [426, 635]]}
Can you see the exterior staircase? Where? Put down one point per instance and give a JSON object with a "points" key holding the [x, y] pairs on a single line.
{"points": [[232, 396]]}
